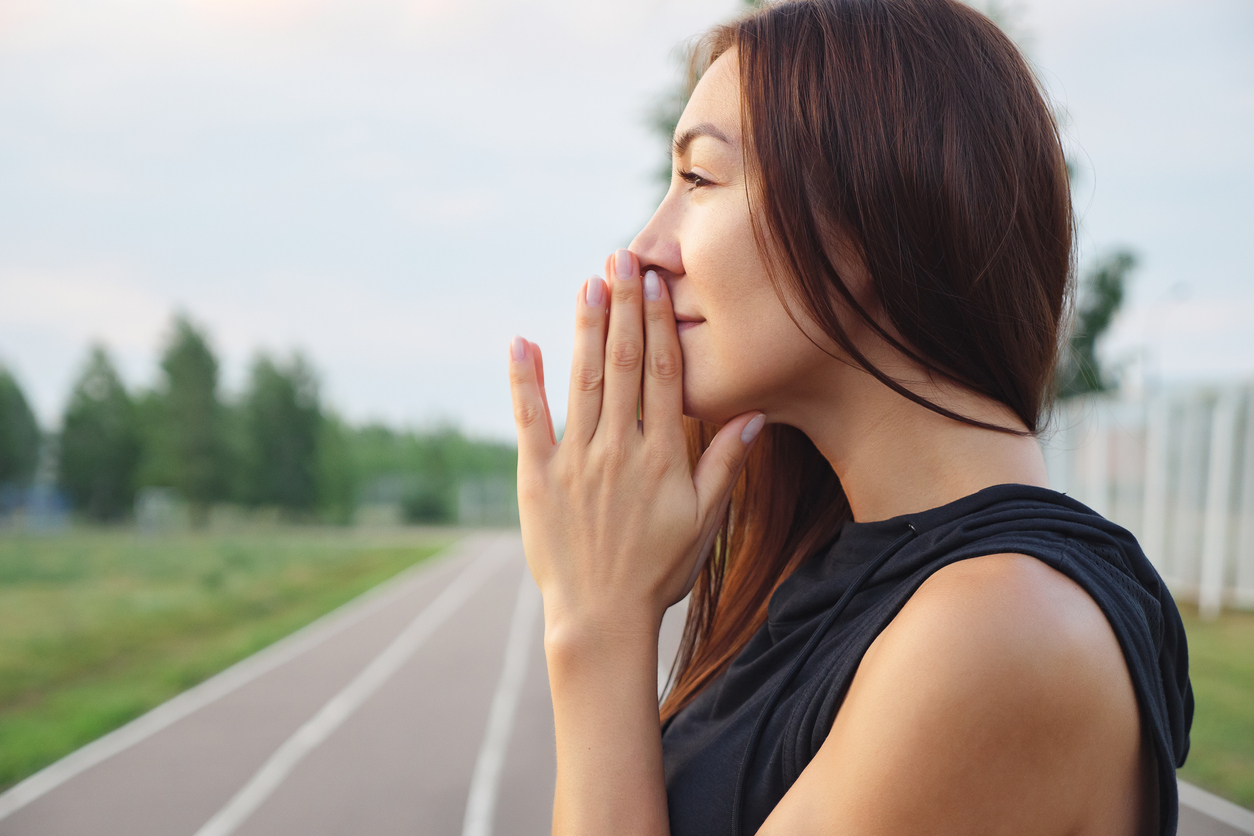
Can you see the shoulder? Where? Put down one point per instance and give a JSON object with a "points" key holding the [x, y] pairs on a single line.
{"points": [[1010, 609], [998, 694], [1008, 644]]}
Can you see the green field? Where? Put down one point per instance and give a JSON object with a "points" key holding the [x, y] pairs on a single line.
{"points": [[98, 626], [1221, 665]]}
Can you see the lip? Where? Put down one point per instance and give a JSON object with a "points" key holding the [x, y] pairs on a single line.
{"points": [[683, 325]]}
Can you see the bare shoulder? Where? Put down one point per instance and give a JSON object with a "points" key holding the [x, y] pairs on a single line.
{"points": [[1011, 608], [997, 701]]}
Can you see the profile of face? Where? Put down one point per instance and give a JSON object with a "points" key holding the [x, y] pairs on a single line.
{"points": [[741, 349]]}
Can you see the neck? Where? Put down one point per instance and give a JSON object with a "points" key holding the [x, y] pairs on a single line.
{"points": [[896, 457]]}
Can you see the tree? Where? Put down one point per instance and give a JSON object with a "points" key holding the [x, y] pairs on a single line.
{"points": [[665, 113], [337, 482], [282, 424], [100, 443], [1101, 295], [191, 419], [19, 434]]}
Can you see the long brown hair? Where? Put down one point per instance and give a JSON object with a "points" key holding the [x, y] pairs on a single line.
{"points": [[916, 129]]}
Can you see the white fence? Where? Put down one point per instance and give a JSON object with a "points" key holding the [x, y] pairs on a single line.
{"points": [[1176, 468]]}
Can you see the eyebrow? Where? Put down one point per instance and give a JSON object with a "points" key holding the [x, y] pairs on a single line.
{"points": [[681, 142]]}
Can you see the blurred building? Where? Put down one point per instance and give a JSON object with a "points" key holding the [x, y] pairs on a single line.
{"points": [[1175, 465]]}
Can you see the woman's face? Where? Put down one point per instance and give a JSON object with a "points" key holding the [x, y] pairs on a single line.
{"points": [[741, 350]]}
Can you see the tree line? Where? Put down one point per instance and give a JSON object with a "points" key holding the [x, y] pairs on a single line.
{"points": [[276, 445]]}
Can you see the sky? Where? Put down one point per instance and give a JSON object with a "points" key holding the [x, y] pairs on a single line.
{"points": [[396, 187]]}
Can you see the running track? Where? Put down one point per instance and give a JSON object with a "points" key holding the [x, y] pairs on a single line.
{"points": [[420, 708]]}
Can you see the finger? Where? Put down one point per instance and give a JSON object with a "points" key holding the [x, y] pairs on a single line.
{"points": [[543, 392], [530, 416], [722, 461], [587, 369], [624, 349], [663, 393]]}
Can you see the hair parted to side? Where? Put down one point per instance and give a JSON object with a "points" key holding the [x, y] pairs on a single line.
{"points": [[917, 130]]}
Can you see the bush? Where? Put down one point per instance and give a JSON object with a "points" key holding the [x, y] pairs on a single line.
{"points": [[429, 503]]}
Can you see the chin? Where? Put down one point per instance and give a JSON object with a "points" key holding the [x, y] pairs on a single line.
{"points": [[705, 402]]}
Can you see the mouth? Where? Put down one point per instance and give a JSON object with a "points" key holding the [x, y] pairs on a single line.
{"points": [[684, 322]]}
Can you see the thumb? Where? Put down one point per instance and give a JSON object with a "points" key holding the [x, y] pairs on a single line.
{"points": [[721, 462]]}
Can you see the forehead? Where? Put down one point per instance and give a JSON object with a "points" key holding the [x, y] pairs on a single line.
{"points": [[716, 99]]}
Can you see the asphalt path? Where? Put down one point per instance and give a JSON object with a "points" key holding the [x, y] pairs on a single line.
{"points": [[420, 708], [378, 719]]}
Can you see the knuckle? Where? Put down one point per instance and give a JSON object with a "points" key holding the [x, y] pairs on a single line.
{"points": [[664, 365], [626, 289], [566, 479], [655, 312], [614, 458], [519, 373], [589, 317], [530, 488], [625, 355], [527, 413], [659, 461], [588, 378]]}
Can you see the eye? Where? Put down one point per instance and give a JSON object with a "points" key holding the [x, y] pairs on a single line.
{"points": [[695, 180]]}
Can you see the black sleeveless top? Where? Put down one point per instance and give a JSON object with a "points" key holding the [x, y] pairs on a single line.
{"points": [[705, 743]]}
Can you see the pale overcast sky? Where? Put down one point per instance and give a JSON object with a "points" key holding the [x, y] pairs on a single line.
{"points": [[397, 186]]}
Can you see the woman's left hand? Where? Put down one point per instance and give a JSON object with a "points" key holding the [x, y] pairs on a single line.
{"points": [[615, 522]]}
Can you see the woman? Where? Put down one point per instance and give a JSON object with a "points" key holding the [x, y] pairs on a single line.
{"points": [[859, 273]]}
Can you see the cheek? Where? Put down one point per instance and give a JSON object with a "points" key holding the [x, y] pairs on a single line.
{"points": [[748, 354], [746, 359]]}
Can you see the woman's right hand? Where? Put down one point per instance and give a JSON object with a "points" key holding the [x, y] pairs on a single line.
{"points": [[615, 522]]}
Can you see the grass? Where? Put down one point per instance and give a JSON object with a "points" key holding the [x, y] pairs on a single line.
{"points": [[98, 626], [1221, 665]]}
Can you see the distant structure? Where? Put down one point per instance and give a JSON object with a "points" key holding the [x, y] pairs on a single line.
{"points": [[1175, 466], [41, 506]]}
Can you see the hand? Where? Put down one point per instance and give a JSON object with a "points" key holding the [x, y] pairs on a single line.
{"points": [[615, 523]]}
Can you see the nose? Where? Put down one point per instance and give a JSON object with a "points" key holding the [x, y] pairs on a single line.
{"points": [[657, 245]]}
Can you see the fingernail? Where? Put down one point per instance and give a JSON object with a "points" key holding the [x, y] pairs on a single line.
{"points": [[652, 287], [518, 349], [595, 294], [752, 428], [622, 264]]}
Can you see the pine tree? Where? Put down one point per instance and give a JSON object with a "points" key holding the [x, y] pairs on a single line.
{"points": [[283, 422], [100, 443], [192, 419], [19, 434]]}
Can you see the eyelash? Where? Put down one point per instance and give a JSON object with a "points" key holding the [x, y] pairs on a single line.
{"points": [[696, 180]]}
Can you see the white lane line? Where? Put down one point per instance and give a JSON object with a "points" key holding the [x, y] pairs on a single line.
{"points": [[485, 783], [340, 707], [218, 686]]}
